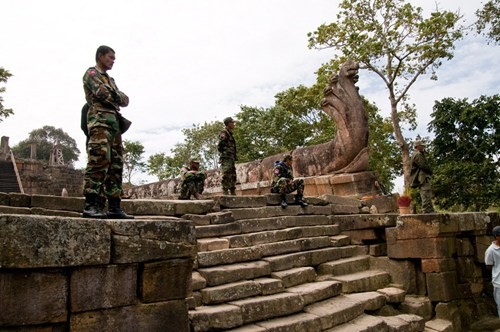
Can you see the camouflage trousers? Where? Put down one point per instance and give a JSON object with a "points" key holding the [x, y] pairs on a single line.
{"points": [[192, 183], [104, 171], [228, 170], [426, 196], [285, 186]]}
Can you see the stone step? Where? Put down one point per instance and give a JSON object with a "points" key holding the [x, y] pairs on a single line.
{"points": [[364, 281], [289, 233], [223, 274], [362, 323], [230, 292], [296, 276], [277, 211], [345, 266], [245, 254], [241, 312], [312, 257], [405, 323], [335, 311], [262, 311]]}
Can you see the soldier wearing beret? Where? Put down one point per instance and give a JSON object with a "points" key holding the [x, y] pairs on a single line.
{"points": [[420, 176], [227, 157]]}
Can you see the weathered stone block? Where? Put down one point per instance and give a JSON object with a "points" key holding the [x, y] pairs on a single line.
{"points": [[20, 200], [4, 199], [230, 292], [379, 249], [247, 201], [167, 280], [218, 230], [196, 207], [383, 204], [256, 309], [439, 247], [417, 305], [217, 218], [197, 219], [438, 265], [149, 207], [269, 285], [133, 249], [167, 228], [58, 203], [465, 247], [482, 243], [34, 241], [468, 270], [103, 287], [402, 272], [361, 235], [162, 316], [220, 318], [14, 210], [442, 286], [220, 257], [354, 222], [210, 244], [29, 298], [412, 226]]}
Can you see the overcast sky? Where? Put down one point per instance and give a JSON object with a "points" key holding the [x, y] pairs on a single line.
{"points": [[193, 61]]}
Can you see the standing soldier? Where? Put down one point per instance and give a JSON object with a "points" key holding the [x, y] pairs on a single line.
{"points": [[420, 176], [192, 180], [103, 174], [227, 159], [283, 182]]}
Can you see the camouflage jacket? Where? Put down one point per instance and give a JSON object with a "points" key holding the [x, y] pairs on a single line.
{"points": [[420, 169], [281, 170], [227, 145], [101, 91]]}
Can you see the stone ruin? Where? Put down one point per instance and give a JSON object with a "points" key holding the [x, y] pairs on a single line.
{"points": [[338, 167]]}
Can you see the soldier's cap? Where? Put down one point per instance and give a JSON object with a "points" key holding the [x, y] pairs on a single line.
{"points": [[496, 231], [228, 120], [418, 143]]}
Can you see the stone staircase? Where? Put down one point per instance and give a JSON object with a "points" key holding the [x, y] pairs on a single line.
{"points": [[262, 268], [8, 179]]}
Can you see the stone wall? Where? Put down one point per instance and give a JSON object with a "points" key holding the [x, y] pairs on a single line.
{"points": [[38, 178], [354, 185], [74, 274]]}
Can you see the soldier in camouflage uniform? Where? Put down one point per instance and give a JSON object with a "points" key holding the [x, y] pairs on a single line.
{"points": [[103, 174], [227, 159], [420, 176], [192, 180], [283, 182]]}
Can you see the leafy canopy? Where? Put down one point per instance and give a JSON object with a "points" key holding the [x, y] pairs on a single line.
{"points": [[392, 39], [488, 22], [132, 159], [4, 112], [45, 139], [466, 154]]}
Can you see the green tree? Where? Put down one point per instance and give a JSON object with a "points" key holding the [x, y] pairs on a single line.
{"points": [[488, 22], [163, 166], [465, 153], [4, 112], [392, 39], [45, 139], [132, 159]]}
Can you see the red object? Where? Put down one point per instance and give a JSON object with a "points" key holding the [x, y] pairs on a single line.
{"points": [[404, 201]]}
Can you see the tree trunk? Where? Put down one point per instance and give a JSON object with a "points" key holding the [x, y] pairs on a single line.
{"points": [[405, 151]]}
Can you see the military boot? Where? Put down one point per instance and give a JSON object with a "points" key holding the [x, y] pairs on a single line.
{"points": [[115, 211], [283, 201], [299, 201], [92, 208]]}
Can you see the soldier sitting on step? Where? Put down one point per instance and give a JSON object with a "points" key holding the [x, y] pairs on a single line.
{"points": [[283, 182], [192, 180]]}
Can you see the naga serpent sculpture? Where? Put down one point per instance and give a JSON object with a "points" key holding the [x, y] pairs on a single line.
{"points": [[346, 153]]}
